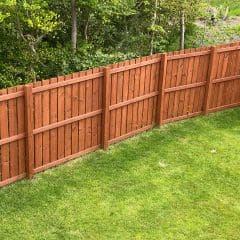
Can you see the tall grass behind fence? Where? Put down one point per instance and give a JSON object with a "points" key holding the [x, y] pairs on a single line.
{"points": [[50, 122]]}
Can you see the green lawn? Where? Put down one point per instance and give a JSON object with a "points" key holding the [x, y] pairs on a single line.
{"points": [[178, 182], [234, 6]]}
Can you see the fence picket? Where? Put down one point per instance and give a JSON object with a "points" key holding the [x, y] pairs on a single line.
{"points": [[29, 130], [50, 122], [211, 70], [106, 104], [163, 71]]}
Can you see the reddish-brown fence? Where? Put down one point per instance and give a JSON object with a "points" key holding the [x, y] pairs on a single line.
{"points": [[50, 122]]}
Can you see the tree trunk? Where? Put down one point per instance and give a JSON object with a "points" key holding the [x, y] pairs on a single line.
{"points": [[74, 25], [153, 24], [226, 14], [182, 31], [86, 31]]}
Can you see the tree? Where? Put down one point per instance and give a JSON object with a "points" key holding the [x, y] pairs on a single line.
{"points": [[4, 9], [50, 37], [74, 25], [182, 31], [32, 21], [181, 12]]}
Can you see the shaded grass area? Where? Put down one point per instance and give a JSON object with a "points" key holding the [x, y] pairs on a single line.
{"points": [[177, 182]]}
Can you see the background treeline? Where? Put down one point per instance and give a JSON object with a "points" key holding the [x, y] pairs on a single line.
{"points": [[40, 39]]}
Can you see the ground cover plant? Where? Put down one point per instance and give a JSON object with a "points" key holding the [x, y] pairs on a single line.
{"points": [[234, 6], [180, 181]]}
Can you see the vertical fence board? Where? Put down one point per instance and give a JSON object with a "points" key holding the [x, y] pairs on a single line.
{"points": [[237, 72], [167, 85], [75, 112], [124, 98], [161, 87], [178, 83], [228, 92], [119, 99], [191, 79], [146, 91], [113, 100], [12, 114], [221, 63], [38, 109], [151, 107], [155, 88], [197, 78], [82, 110], [46, 121], [89, 96], [21, 129], [150, 90], [189, 95], [185, 82], [189, 70], [141, 92], [173, 81], [53, 119], [136, 94], [100, 105], [55, 144], [106, 104], [204, 73], [60, 112], [4, 131], [182, 81], [29, 130], [234, 84], [68, 114], [213, 102], [95, 106], [130, 96], [212, 69]]}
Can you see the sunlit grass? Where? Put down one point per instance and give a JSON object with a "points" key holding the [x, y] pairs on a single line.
{"points": [[177, 182]]}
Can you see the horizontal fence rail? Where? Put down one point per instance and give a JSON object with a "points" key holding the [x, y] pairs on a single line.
{"points": [[50, 122]]}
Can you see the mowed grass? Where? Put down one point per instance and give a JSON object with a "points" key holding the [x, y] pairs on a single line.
{"points": [[178, 182]]}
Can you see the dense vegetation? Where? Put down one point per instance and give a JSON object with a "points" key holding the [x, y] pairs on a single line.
{"points": [[179, 182], [44, 38]]}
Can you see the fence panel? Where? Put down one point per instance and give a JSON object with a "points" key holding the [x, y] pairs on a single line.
{"points": [[50, 122], [226, 85], [12, 134]]}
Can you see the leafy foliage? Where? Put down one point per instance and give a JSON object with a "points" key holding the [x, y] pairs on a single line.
{"points": [[36, 35]]}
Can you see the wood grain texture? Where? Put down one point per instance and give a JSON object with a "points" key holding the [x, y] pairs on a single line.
{"points": [[50, 122], [211, 72], [12, 118], [106, 111], [29, 121], [162, 77], [4, 133]]}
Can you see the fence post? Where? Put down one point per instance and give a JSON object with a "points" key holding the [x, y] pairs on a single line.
{"points": [[161, 85], [211, 70], [29, 130], [106, 105]]}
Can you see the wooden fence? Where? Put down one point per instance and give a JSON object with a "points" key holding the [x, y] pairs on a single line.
{"points": [[50, 122]]}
